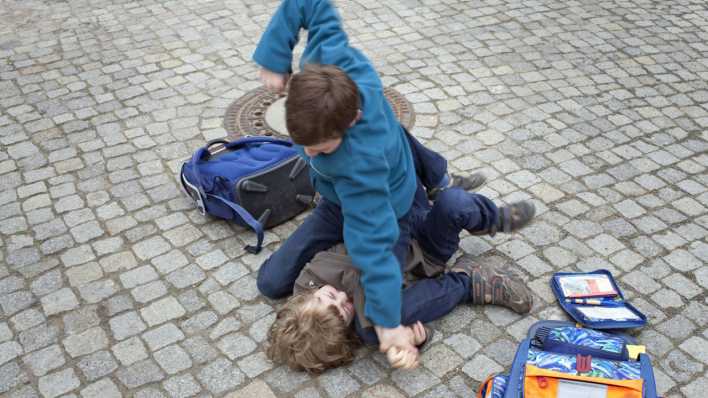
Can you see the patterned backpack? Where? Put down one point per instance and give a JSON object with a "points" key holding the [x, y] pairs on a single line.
{"points": [[561, 360]]}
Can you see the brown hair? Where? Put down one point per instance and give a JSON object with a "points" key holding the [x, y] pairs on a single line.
{"points": [[322, 102], [310, 339]]}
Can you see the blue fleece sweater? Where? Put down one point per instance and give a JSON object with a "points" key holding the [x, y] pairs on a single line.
{"points": [[371, 175]]}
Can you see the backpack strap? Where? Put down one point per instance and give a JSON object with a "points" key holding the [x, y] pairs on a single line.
{"points": [[248, 218], [517, 370], [647, 374]]}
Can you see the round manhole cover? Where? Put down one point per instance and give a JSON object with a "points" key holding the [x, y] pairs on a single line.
{"points": [[261, 112]]}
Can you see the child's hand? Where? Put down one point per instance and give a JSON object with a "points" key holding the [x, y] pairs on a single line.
{"points": [[275, 82], [402, 358], [419, 334]]}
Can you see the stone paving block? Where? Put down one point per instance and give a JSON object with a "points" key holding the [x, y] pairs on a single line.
{"points": [[58, 383], [605, 244], [9, 351], [115, 262], [223, 302], [138, 276], [162, 336], [47, 283], [104, 388], [162, 311], [170, 261], [42, 361], [86, 342], [16, 301], [38, 337], [235, 345], [259, 329], [149, 291], [257, 388], [151, 247], [97, 365], [255, 364], [199, 349], [682, 368], [129, 351], [173, 359], [11, 375], [97, 291], [5, 332], [682, 285], [414, 381], [440, 360], [182, 386], [338, 383], [480, 367], [126, 325], [220, 376], [83, 274], [27, 319], [59, 301], [139, 374], [187, 276]]}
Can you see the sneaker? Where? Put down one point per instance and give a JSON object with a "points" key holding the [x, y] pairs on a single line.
{"points": [[491, 285], [511, 218], [468, 183]]}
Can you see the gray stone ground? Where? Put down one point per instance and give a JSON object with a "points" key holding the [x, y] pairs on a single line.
{"points": [[112, 284]]}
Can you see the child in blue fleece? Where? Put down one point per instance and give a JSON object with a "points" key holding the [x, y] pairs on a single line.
{"points": [[360, 159]]}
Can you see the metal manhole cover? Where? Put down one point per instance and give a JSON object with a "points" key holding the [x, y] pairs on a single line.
{"points": [[261, 112]]}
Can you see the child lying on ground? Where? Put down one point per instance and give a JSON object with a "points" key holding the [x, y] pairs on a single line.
{"points": [[312, 331]]}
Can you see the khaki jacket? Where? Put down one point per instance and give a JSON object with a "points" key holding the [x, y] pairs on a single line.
{"points": [[335, 268]]}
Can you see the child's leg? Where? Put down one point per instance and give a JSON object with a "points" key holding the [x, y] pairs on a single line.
{"points": [[430, 166], [453, 211], [321, 230]]}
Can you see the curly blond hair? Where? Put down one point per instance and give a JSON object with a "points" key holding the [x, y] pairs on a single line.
{"points": [[309, 338]]}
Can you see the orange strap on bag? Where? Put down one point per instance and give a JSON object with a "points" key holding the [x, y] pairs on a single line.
{"points": [[488, 383]]}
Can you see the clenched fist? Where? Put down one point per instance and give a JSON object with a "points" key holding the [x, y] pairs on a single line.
{"points": [[274, 82]]}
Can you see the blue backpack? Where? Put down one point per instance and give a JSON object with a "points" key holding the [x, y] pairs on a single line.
{"points": [[258, 182], [560, 360]]}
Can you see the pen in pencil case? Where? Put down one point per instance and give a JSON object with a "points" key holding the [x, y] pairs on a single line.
{"points": [[589, 301]]}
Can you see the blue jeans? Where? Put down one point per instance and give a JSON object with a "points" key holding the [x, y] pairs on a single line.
{"points": [[437, 229], [323, 229]]}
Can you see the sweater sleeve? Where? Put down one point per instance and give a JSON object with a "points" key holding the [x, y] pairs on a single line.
{"points": [[275, 49], [370, 233], [327, 43]]}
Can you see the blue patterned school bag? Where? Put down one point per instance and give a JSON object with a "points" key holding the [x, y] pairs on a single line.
{"points": [[257, 182], [561, 360]]}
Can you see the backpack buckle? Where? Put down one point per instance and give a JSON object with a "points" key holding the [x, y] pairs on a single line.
{"points": [[583, 363]]}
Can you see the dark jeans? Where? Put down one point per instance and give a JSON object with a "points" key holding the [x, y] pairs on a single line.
{"points": [[323, 229], [437, 230]]}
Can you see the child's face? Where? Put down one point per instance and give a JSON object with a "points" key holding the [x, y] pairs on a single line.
{"points": [[325, 147], [328, 295]]}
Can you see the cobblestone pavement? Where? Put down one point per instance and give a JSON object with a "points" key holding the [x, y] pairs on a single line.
{"points": [[112, 284]]}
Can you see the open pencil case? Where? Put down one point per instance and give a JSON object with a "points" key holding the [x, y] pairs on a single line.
{"points": [[593, 299]]}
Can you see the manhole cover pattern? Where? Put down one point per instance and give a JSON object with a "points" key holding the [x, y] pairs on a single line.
{"points": [[247, 115]]}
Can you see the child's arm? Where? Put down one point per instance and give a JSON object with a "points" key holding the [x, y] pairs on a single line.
{"points": [[275, 49], [327, 43], [370, 232]]}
